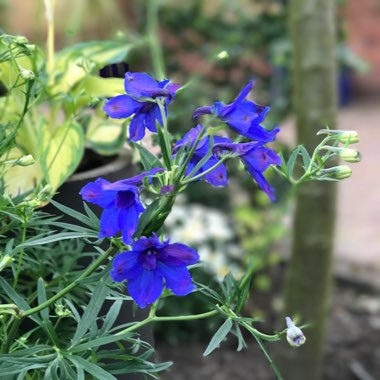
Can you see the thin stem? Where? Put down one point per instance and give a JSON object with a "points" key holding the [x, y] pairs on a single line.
{"points": [[195, 178], [270, 360], [49, 10], [95, 265], [167, 151], [191, 153], [18, 270], [150, 319], [153, 39]]}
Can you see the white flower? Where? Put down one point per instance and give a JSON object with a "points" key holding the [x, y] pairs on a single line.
{"points": [[294, 334]]}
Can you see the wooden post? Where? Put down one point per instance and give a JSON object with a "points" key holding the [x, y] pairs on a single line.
{"points": [[309, 277]]}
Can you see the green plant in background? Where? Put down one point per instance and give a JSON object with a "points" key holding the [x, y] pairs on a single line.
{"points": [[50, 108]]}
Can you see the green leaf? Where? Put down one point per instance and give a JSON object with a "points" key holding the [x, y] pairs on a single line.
{"points": [[41, 294], [91, 220], [111, 317], [305, 156], [92, 369], [57, 237], [292, 161], [222, 332], [240, 338], [17, 299], [145, 217], [148, 159], [91, 313], [96, 343], [61, 152]]}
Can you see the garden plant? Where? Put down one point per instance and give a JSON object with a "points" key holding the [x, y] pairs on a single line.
{"points": [[58, 312]]}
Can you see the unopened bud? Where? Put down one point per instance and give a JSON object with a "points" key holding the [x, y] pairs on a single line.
{"points": [[26, 160], [223, 55], [62, 311], [345, 137], [26, 74], [6, 261], [294, 334], [349, 137], [336, 173], [350, 155], [21, 40]]}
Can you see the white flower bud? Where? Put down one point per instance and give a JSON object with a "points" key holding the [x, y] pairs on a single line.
{"points": [[294, 334], [336, 173], [350, 155]]}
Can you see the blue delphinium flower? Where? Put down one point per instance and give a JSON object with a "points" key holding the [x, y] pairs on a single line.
{"points": [[218, 176], [149, 264], [139, 100], [256, 159], [121, 203], [242, 115]]}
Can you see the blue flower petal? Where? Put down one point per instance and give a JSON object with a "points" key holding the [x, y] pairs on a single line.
{"points": [[177, 254], [139, 84], [151, 116], [258, 133], [261, 158], [121, 106], [207, 110], [109, 225], [177, 279], [244, 92], [128, 219], [137, 127], [145, 243], [126, 266], [95, 192], [217, 177], [261, 181], [146, 288]]}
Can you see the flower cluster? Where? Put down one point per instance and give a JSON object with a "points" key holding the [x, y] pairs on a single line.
{"points": [[151, 264]]}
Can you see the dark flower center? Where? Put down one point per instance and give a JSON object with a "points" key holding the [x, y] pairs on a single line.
{"points": [[125, 199], [148, 259]]}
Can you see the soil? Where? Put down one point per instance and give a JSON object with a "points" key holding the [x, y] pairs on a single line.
{"points": [[352, 347]]}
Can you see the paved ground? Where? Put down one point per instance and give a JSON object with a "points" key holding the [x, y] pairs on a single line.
{"points": [[357, 249]]}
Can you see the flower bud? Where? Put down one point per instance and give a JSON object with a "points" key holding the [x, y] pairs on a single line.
{"points": [[345, 137], [336, 173], [350, 155], [350, 137], [21, 40], [6, 261], [26, 160], [26, 74], [294, 334], [223, 55]]}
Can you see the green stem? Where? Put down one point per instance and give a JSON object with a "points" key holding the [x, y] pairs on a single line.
{"points": [[309, 171], [95, 265], [50, 5], [151, 319], [18, 270], [166, 148], [191, 153], [154, 41], [270, 360], [195, 178]]}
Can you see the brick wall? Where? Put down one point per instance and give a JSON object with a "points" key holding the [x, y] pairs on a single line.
{"points": [[363, 32]]}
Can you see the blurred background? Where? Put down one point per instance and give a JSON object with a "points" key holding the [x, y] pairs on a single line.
{"points": [[216, 47]]}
